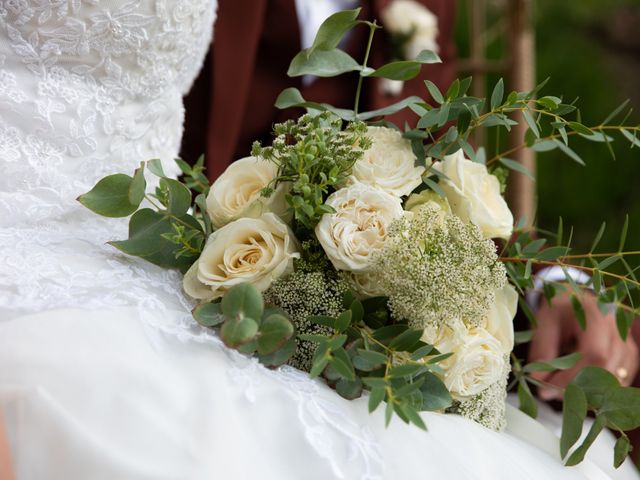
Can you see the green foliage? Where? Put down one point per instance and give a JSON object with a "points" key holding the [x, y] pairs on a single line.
{"points": [[114, 196], [391, 361], [151, 236], [615, 407], [314, 155], [166, 234], [243, 322]]}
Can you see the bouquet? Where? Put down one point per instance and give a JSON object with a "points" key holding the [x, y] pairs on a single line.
{"points": [[367, 255]]}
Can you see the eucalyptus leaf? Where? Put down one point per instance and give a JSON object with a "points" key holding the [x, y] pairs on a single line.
{"points": [[349, 389], [621, 408], [238, 331], [280, 356], [391, 109], [334, 28], [341, 361], [497, 95], [578, 454], [375, 398], [435, 395], [516, 166], [434, 91], [146, 230], [275, 331], [243, 300], [406, 340], [179, 196], [400, 70], [528, 403], [621, 450], [322, 63], [574, 411], [208, 314], [110, 197], [560, 363], [138, 186], [155, 167], [596, 382]]}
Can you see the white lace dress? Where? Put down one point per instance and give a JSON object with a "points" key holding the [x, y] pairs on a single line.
{"points": [[103, 374]]}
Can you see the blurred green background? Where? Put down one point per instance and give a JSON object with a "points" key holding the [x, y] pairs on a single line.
{"points": [[590, 49]]}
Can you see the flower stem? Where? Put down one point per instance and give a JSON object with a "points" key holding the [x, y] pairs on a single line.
{"points": [[372, 29]]}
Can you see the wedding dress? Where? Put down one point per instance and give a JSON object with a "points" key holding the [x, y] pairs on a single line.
{"points": [[103, 373]]}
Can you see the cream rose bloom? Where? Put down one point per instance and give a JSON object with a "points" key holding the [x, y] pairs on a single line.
{"points": [[248, 250], [238, 192], [500, 318], [474, 195], [407, 16], [477, 362], [367, 284], [351, 236], [426, 197], [389, 164]]}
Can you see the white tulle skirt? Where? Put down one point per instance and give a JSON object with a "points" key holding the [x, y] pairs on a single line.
{"points": [[110, 394]]}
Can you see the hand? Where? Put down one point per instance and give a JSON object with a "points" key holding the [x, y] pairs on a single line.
{"points": [[6, 470], [600, 345]]}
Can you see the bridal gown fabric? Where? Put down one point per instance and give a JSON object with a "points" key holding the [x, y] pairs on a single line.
{"points": [[103, 373]]}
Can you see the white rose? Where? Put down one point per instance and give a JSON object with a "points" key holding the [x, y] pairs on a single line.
{"points": [[421, 40], [406, 17], [367, 284], [500, 318], [474, 195], [237, 192], [426, 197], [389, 164], [351, 236], [248, 250], [477, 362]]}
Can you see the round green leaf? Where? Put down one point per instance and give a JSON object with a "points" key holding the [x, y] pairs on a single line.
{"points": [[621, 408], [275, 330], [243, 300], [237, 332], [596, 382], [208, 314], [280, 356], [110, 197], [349, 389]]}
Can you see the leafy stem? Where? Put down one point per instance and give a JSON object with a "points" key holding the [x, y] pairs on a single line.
{"points": [[372, 29]]}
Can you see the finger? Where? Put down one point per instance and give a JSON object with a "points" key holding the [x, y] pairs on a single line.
{"points": [[546, 340], [561, 379], [627, 367], [545, 344]]}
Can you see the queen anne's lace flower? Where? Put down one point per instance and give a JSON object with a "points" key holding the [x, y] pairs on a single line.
{"points": [[436, 270], [300, 295]]}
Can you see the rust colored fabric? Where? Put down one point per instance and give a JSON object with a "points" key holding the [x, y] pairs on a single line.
{"points": [[231, 103]]}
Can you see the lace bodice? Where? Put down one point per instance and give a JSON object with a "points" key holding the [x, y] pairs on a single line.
{"points": [[87, 88]]}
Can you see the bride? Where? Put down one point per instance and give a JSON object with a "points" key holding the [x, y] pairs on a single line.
{"points": [[103, 373]]}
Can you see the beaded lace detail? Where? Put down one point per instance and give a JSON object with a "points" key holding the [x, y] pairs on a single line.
{"points": [[87, 88]]}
